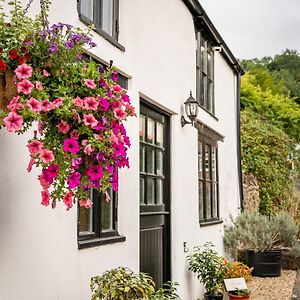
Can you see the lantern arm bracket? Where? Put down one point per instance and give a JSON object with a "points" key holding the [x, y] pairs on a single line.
{"points": [[185, 122]]}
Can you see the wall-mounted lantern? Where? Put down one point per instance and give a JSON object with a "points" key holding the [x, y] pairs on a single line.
{"points": [[191, 109]]}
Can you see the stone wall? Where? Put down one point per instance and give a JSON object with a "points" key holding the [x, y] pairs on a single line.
{"points": [[251, 193]]}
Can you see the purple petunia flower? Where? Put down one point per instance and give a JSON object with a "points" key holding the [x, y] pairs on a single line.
{"points": [[114, 76], [53, 47], [69, 44], [74, 180]]}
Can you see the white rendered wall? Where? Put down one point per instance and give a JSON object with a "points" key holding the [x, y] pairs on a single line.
{"points": [[39, 258]]}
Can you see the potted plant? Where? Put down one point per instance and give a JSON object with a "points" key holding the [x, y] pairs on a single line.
{"points": [[239, 294], [261, 238], [79, 109], [209, 268], [122, 283]]}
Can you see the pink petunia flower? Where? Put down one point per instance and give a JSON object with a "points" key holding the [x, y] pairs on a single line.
{"points": [[119, 113], [13, 122], [14, 104], [88, 149], [39, 85], [46, 156], [73, 180], [57, 103], [116, 88], [25, 87], [34, 105], [45, 73], [103, 103], [78, 102], [130, 110], [35, 147], [95, 172], [90, 83], [90, 103], [50, 173], [76, 163], [87, 203], [68, 199], [23, 71], [63, 127], [30, 165], [46, 105], [45, 197], [89, 120], [71, 146], [44, 182], [74, 134]]}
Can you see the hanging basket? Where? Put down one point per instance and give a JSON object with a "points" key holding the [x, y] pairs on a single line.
{"points": [[8, 89]]}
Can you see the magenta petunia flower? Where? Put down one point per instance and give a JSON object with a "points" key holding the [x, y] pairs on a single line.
{"points": [[90, 103], [45, 197], [95, 172], [34, 105], [25, 87], [116, 88], [71, 146], [13, 122], [46, 156], [51, 172], [35, 147], [87, 203], [23, 71], [68, 199], [103, 103], [73, 180], [63, 127], [89, 120], [46, 105], [90, 83]]}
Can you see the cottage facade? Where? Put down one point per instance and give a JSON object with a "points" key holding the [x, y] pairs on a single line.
{"points": [[183, 183]]}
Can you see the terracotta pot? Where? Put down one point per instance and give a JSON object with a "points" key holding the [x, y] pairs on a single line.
{"points": [[236, 297], [8, 88]]}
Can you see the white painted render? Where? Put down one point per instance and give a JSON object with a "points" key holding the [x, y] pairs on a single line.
{"points": [[39, 257]]}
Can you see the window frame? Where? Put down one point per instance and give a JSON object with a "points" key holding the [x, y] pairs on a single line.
{"points": [[97, 237], [202, 74], [113, 39]]}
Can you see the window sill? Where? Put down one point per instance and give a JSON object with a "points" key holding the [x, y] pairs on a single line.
{"points": [[210, 223], [101, 241], [210, 113], [102, 33]]}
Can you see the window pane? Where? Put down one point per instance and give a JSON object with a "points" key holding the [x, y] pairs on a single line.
{"points": [[159, 163], [150, 131], [107, 213], [159, 135], [107, 16], [150, 191], [150, 160], [208, 200], [85, 220], [159, 191], [207, 162], [203, 56], [142, 190], [214, 201], [86, 8], [203, 90], [142, 128], [201, 200], [209, 64], [200, 160], [210, 87], [142, 159], [214, 163]]}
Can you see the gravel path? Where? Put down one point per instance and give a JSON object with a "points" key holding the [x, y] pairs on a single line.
{"points": [[273, 288]]}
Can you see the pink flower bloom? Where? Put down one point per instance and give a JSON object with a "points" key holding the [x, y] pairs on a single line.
{"points": [[50, 173], [94, 172], [78, 102], [30, 165], [45, 197], [46, 105], [84, 69], [71, 146], [88, 149], [87, 203], [34, 105], [114, 138], [14, 104], [126, 98], [76, 162], [89, 120], [35, 147], [46, 156], [130, 110], [90, 103], [39, 85], [73, 180], [68, 200], [45, 73], [103, 103], [44, 182], [13, 122], [63, 127], [117, 88], [23, 71], [119, 113], [90, 83], [25, 87], [74, 134], [57, 103]]}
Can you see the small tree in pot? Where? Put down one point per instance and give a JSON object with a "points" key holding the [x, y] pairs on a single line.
{"points": [[209, 268]]}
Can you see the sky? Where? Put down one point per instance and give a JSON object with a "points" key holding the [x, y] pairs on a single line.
{"points": [[256, 28]]}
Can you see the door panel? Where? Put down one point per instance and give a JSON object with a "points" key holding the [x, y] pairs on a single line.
{"points": [[154, 194]]}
